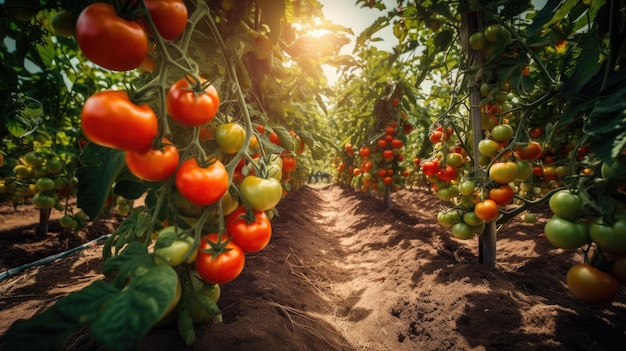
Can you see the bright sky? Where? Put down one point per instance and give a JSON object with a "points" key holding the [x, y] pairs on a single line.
{"points": [[347, 14]]}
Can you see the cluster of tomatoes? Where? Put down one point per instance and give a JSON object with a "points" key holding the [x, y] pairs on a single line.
{"points": [[214, 192], [41, 175], [597, 280], [378, 165]]}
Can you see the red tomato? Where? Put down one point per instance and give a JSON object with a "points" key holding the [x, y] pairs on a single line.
{"points": [[382, 143], [435, 136], [190, 107], [224, 267], [151, 164], [447, 174], [388, 180], [275, 139], [502, 195], [251, 234], [396, 143], [364, 151], [289, 163], [109, 40], [388, 154], [202, 185], [110, 119], [169, 17], [430, 167], [529, 152]]}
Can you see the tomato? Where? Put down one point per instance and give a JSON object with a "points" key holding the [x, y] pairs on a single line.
{"points": [[536, 132], [43, 201], [151, 164], [203, 290], [262, 194], [230, 137], [448, 218], [222, 267], [502, 133], [613, 169], [68, 222], [436, 136], [467, 187], [610, 237], [618, 267], [447, 174], [299, 148], [109, 40], [276, 140], [289, 163], [169, 17], [503, 172], [487, 210], [251, 234], [64, 24], [192, 106], [396, 143], [492, 32], [45, 184], [524, 169], [364, 151], [488, 147], [530, 151], [565, 204], [388, 154], [591, 285], [463, 231], [477, 41], [54, 166], [202, 185], [33, 159], [502, 195], [430, 167], [529, 217], [565, 234], [110, 119], [173, 247]]}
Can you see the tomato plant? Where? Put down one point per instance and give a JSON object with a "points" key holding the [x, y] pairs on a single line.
{"points": [[110, 40]]}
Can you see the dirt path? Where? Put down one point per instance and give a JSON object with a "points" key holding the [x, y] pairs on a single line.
{"points": [[343, 273]]}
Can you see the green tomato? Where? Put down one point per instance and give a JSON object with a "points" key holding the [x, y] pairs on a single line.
{"points": [[565, 204], [174, 248], [262, 194], [471, 219], [463, 231], [230, 137], [448, 218], [68, 222], [203, 290], [43, 201], [54, 166], [610, 238], [45, 184], [565, 234], [33, 159]]}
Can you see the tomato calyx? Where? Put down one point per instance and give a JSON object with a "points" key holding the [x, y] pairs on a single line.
{"points": [[216, 248]]}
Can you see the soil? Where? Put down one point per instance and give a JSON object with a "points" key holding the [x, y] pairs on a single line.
{"points": [[342, 272]]}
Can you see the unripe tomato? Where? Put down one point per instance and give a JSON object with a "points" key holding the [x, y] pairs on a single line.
{"points": [[64, 24], [109, 40], [174, 248], [462, 231], [477, 41], [230, 137], [190, 107], [262, 194], [565, 234], [503, 172], [565, 204], [488, 147], [502, 133], [111, 120]]}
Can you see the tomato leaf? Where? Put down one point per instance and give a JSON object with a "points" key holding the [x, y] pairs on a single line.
{"points": [[129, 189], [102, 166], [133, 229]]}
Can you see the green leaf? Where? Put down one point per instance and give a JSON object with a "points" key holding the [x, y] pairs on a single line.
{"points": [[272, 12], [543, 17], [50, 329], [587, 64], [286, 140], [129, 189], [129, 315], [102, 165]]}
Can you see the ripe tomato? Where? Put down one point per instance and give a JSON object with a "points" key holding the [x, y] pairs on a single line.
{"points": [[396, 143], [251, 234], [536, 132], [487, 210], [502, 195], [565, 204], [430, 167], [262, 194], [289, 163], [109, 40], [110, 119], [447, 174], [202, 185], [223, 267], [276, 140], [565, 234], [151, 164], [190, 107], [530, 151], [230, 137], [436, 136], [364, 151], [591, 285], [388, 154], [503, 172], [169, 17]]}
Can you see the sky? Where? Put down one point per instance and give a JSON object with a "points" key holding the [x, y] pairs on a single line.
{"points": [[347, 14]]}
